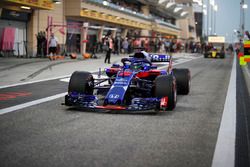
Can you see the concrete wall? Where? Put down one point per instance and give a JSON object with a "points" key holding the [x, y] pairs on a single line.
{"points": [[185, 23], [72, 7]]}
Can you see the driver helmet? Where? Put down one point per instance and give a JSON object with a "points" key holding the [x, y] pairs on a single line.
{"points": [[146, 55]]}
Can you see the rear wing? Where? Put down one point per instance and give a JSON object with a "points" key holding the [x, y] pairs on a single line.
{"points": [[159, 57], [152, 57]]}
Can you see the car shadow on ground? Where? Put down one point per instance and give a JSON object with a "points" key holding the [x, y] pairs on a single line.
{"points": [[117, 112]]}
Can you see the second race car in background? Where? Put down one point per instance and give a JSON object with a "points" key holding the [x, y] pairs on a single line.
{"points": [[215, 47], [136, 85]]}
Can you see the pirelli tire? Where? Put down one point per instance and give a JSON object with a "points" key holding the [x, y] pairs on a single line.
{"points": [[183, 80], [81, 82], [165, 86]]}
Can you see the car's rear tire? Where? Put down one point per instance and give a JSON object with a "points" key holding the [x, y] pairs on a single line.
{"points": [[183, 80], [165, 86], [81, 82]]}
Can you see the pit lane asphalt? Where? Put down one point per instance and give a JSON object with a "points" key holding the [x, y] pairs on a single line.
{"points": [[50, 134]]}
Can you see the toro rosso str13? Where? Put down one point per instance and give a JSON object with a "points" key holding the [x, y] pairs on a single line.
{"points": [[136, 85], [156, 57]]}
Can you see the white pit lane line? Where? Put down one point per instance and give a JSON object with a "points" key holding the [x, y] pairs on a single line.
{"points": [[50, 98], [32, 103], [31, 82], [224, 154]]}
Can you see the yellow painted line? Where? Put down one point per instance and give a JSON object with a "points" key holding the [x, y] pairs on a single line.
{"points": [[246, 42], [244, 60]]}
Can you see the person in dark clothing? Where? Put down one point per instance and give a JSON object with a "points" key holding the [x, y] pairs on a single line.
{"points": [[94, 48], [109, 43], [172, 47], [186, 47]]}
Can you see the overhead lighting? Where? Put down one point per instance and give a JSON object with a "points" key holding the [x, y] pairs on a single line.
{"points": [[212, 2], [122, 8], [25, 7], [161, 1], [57, 1], [170, 4], [134, 12], [177, 9], [184, 13], [205, 12], [216, 8], [105, 3], [244, 6], [198, 1]]}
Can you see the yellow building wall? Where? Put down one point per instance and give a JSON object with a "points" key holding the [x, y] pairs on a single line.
{"points": [[78, 9], [38, 22], [183, 24], [72, 7]]}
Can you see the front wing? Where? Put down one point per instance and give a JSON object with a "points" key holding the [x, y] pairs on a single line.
{"points": [[92, 102], [159, 58]]}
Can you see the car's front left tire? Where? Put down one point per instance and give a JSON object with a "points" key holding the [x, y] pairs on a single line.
{"points": [[165, 86], [81, 82], [183, 80]]}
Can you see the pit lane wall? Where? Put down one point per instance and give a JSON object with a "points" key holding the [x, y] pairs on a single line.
{"points": [[245, 64]]}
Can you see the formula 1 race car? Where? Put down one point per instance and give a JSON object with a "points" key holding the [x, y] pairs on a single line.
{"points": [[215, 52], [158, 58], [136, 85], [215, 48]]}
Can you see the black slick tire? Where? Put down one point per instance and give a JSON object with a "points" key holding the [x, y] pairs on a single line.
{"points": [[165, 86], [183, 80], [81, 82]]}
